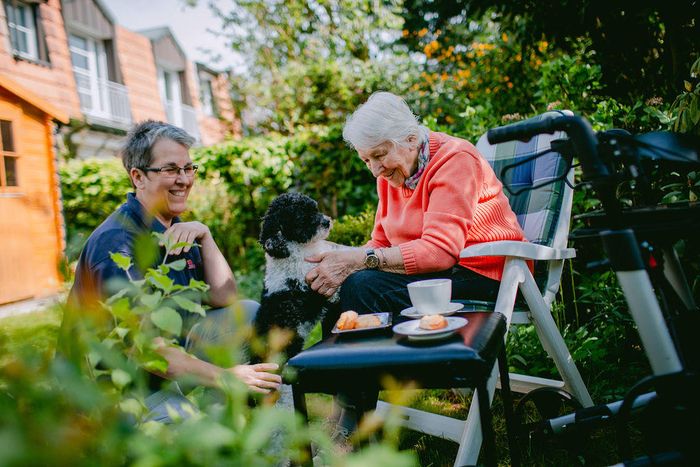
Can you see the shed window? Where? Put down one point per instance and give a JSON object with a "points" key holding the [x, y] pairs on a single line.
{"points": [[26, 32], [8, 157]]}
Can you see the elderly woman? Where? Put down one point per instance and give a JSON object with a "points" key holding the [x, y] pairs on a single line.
{"points": [[437, 195]]}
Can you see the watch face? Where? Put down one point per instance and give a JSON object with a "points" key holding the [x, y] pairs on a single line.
{"points": [[371, 260]]}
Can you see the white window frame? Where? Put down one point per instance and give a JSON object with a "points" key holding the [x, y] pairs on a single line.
{"points": [[29, 32], [206, 87], [173, 107], [96, 73]]}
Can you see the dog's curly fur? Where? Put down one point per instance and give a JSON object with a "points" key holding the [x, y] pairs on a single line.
{"points": [[293, 228]]}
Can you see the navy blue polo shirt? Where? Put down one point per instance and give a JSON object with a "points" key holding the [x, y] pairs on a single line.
{"points": [[97, 276]]}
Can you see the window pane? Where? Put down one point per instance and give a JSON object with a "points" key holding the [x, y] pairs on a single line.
{"points": [[78, 42], [11, 13], [167, 80], [83, 82], [22, 42], [8, 141], [79, 60], [22, 17], [85, 100], [10, 171], [206, 97]]}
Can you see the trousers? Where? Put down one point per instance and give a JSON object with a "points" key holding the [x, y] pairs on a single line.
{"points": [[216, 327], [372, 291]]}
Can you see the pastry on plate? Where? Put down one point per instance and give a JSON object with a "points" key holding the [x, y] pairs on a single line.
{"points": [[347, 320], [367, 321], [432, 322]]}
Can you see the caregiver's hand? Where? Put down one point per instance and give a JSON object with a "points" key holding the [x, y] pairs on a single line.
{"points": [[333, 268]]}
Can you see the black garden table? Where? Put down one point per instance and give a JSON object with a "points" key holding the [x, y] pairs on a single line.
{"points": [[357, 364]]}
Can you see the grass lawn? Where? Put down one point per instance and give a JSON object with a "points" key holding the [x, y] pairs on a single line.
{"points": [[36, 332], [30, 332]]}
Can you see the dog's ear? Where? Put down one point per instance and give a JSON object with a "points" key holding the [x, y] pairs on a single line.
{"points": [[276, 246]]}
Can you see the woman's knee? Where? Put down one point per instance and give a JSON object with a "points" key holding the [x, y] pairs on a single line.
{"points": [[359, 289], [359, 282]]}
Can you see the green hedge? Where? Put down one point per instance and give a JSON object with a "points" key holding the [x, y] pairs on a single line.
{"points": [[91, 189], [237, 182]]}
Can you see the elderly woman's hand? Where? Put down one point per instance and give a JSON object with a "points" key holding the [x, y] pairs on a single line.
{"points": [[333, 268]]}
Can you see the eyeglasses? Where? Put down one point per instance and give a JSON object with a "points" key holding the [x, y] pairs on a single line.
{"points": [[172, 171]]}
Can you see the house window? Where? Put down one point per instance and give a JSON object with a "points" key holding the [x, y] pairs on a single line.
{"points": [[26, 33], [208, 102], [8, 156], [89, 68]]}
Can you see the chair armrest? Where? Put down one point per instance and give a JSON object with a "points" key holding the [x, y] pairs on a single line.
{"points": [[524, 250]]}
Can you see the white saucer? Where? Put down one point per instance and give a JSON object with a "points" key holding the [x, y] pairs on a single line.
{"points": [[411, 330], [411, 312]]}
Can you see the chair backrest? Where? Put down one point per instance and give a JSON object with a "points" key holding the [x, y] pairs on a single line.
{"points": [[544, 213]]}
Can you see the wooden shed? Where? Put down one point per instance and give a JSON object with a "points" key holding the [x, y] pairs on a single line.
{"points": [[31, 225]]}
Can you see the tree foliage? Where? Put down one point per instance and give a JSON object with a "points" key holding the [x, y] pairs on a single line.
{"points": [[643, 47], [310, 61]]}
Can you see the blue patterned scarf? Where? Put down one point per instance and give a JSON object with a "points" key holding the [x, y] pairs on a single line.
{"points": [[423, 157]]}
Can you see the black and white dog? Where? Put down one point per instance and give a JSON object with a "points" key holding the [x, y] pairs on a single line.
{"points": [[293, 228]]}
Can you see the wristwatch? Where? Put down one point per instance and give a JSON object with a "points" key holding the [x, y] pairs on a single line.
{"points": [[371, 259]]}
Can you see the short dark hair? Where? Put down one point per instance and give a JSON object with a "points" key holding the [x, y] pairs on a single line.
{"points": [[136, 151]]}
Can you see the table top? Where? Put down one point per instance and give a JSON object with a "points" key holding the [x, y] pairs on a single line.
{"points": [[344, 360]]}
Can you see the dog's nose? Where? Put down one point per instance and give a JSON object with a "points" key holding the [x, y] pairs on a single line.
{"points": [[326, 222]]}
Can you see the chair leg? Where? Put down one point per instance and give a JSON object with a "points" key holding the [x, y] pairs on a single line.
{"points": [[507, 398], [472, 436], [552, 341], [470, 443], [486, 425]]}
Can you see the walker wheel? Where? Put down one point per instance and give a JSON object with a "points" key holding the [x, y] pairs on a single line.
{"points": [[534, 409]]}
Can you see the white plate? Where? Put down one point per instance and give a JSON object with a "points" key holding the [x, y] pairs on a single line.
{"points": [[411, 312], [413, 332]]}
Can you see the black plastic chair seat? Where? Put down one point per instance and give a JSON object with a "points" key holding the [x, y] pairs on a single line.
{"points": [[354, 362]]}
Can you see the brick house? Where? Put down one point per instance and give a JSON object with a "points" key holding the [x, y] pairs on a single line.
{"points": [[67, 61], [105, 77]]}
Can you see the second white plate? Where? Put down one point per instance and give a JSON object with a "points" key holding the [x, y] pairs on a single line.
{"points": [[411, 312], [413, 332]]}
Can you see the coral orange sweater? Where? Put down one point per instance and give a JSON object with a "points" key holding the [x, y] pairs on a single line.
{"points": [[458, 202]]}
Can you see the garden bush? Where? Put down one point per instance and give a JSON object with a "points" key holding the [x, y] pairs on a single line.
{"points": [[241, 178], [91, 190], [85, 405]]}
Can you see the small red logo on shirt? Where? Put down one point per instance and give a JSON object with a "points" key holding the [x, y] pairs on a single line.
{"points": [[190, 264]]}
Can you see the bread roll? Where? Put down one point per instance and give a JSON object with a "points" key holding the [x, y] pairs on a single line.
{"points": [[347, 320], [368, 321], [432, 322]]}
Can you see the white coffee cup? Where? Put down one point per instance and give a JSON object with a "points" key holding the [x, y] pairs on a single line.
{"points": [[430, 296]]}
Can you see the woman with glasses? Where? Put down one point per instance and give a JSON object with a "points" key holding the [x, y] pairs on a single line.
{"points": [[156, 157]]}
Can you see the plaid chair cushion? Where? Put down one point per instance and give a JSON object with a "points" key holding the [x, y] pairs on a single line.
{"points": [[538, 209]]}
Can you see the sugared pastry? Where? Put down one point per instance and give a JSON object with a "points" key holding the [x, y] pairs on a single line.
{"points": [[347, 320], [368, 321], [432, 322]]}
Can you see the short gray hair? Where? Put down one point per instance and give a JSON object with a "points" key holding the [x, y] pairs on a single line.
{"points": [[136, 151], [384, 117]]}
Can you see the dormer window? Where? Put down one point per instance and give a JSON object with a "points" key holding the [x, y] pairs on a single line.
{"points": [[26, 33]]}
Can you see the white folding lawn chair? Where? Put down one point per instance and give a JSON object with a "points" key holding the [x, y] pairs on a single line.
{"points": [[543, 209]]}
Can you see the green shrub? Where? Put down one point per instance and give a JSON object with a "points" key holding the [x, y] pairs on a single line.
{"points": [[86, 406], [91, 189], [241, 178], [353, 230]]}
